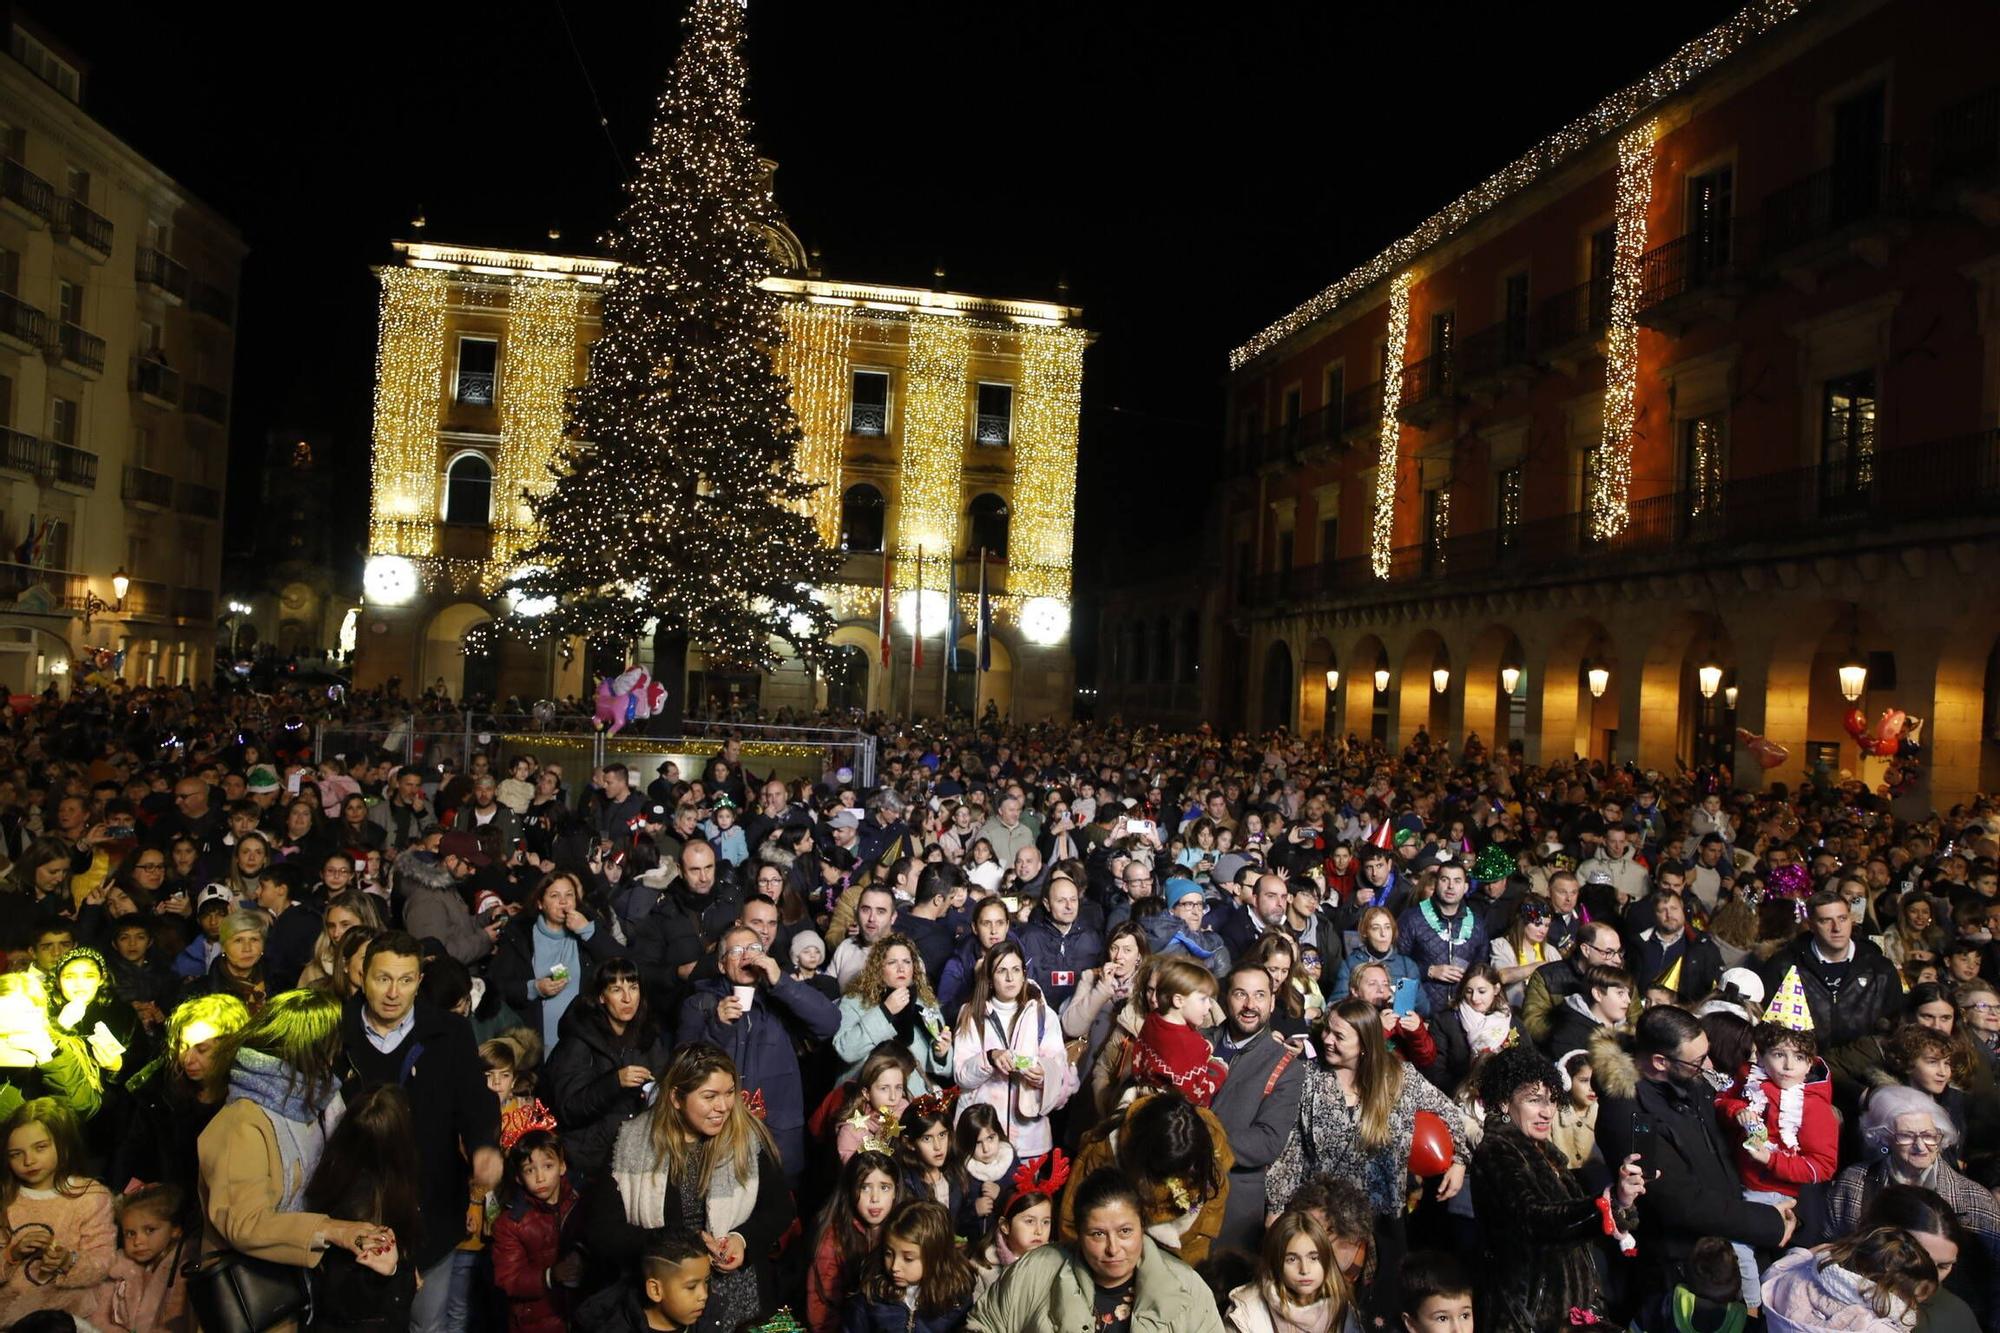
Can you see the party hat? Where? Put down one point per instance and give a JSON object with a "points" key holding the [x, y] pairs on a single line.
{"points": [[1788, 1008], [1671, 978]]}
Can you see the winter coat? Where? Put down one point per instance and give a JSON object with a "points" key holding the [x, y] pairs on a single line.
{"points": [[1574, 1027], [1399, 966], [1024, 1111], [864, 1027], [1428, 947], [1454, 1048], [1870, 998], [1327, 1137], [1541, 1002], [433, 908], [1977, 1277], [932, 940], [954, 984], [761, 1044], [580, 1083], [1801, 1296], [1257, 1108], [1057, 958], [512, 971], [1052, 1289], [1250, 1312], [1100, 1148], [1626, 874], [384, 816], [527, 1241], [1817, 1155], [867, 1316], [1539, 1265], [1700, 963]]}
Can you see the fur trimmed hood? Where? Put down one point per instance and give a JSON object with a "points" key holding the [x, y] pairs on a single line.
{"points": [[771, 854], [1613, 1070]]}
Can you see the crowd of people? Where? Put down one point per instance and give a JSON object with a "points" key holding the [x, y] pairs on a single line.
{"points": [[1059, 1026]]}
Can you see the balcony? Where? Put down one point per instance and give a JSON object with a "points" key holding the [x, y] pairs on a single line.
{"points": [[1310, 439], [1493, 360], [156, 382], [79, 349], [69, 466], [475, 388], [464, 541], [868, 419], [84, 227], [22, 452], [163, 275], [25, 194], [208, 404], [147, 599], [1361, 412], [35, 589], [1851, 210], [194, 603], [1965, 155], [1569, 326], [993, 430], [211, 302], [1697, 277], [199, 500], [147, 487], [1426, 391], [22, 326]]}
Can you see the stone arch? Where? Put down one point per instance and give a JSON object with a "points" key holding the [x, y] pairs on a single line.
{"points": [[1277, 708], [866, 638], [468, 489], [443, 655], [1369, 713], [1666, 720], [1420, 705], [29, 654], [1489, 709], [1573, 721], [1319, 707]]}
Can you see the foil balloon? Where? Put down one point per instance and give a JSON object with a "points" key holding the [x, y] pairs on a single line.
{"points": [[1767, 752], [1889, 727], [630, 696], [1430, 1146], [1856, 723]]}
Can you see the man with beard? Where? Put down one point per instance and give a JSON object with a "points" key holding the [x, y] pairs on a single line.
{"points": [[1259, 1104]]}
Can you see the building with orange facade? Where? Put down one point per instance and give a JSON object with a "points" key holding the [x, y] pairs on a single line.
{"points": [[1649, 435]]}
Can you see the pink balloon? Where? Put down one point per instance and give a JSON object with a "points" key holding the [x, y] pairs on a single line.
{"points": [[1768, 753], [1890, 726]]}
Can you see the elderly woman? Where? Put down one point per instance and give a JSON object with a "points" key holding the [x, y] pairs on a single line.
{"points": [[1907, 1137], [890, 1000], [173, 1100], [239, 969]]}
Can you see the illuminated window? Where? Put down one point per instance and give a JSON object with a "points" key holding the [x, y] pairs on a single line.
{"points": [[65, 419], [994, 425], [1847, 458], [1704, 466], [478, 361], [468, 490], [869, 414]]}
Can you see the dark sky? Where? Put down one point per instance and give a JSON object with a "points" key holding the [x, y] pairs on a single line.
{"points": [[1192, 170]]}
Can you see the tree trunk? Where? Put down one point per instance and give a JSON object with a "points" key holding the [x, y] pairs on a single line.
{"points": [[670, 655]]}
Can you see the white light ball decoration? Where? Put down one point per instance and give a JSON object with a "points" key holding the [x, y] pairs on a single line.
{"points": [[526, 604], [1044, 620], [935, 609], [389, 580]]}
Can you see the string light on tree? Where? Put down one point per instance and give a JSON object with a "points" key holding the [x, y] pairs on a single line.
{"points": [[1611, 479], [1389, 436]]}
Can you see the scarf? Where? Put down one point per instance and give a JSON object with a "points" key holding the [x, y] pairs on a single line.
{"points": [[994, 1173], [268, 1083], [1791, 1105], [643, 1182], [1462, 927], [1484, 1032], [1289, 1318], [1187, 941]]}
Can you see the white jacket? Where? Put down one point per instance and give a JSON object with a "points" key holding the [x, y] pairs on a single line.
{"points": [[1038, 1036]]}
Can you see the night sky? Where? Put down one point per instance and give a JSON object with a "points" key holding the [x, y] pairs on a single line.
{"points": [[1192, 171]]}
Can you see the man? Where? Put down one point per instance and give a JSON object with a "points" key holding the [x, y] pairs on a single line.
{"points": [[261, 786], [1662, 1108], [923, 920], [1030, 874], [295, 927], [1601, 1006], [1565, 919], [1852, 991], [874, 917], [390, 1036], [1711, 876], [406, 816], [620, 811], [1259, 1104], [1553, 982], [1135, 878], [1243, 924], [192, 815], [1378, 884], [1006, 832], [760, 1037], [1670, 957], [1443, 936], [1312, 923], [1619, 863], [1179, 929], [50, 943], [433, 906], [884, 835], [773, 809], [1057, 946], [484, 811]]}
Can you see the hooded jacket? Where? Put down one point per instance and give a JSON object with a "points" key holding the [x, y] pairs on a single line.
{"points": [[1050, 1288], [1801, 1296], [433, 908], [1813, 1153], [527, 1242]]}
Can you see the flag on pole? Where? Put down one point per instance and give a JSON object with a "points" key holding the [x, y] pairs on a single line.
{"points": [[985, 619], [882, 622], [951, 621], [917, 615]]}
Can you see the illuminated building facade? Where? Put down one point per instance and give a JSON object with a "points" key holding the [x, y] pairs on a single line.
{"points": [[939, 424], [117, 319], [1648, 435]]}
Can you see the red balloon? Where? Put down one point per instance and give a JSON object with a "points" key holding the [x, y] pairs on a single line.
{"points": [[1856, 723], [1768, 753], [1430, 1146]]}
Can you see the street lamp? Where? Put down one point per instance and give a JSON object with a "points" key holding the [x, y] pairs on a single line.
{"points": [[1710, 678], [1729, 696], [120, 585], [237, 610], [92, 604], [1381, 679], [1599, 677], [1510, 677], [1332, 679], [1440, 677], [1854, 668]]}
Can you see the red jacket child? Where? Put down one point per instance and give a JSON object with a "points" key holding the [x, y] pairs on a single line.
{"points": [[1174, 1055], [1798, 1124], [527, 1243]]}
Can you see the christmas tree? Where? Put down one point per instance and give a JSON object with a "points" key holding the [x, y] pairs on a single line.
{"points": [[677, 509]]}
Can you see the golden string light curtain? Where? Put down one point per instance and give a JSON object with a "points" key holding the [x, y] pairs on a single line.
{"points": [[934, 427], [1610, 498], [1039, 537], [409, 370], [814, 361], [540, 368], [1389, 437]]}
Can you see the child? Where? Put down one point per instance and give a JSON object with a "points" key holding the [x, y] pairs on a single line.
{"points": [[1026, 1220], [875, 1118], [1307, 980], [63, 1235], [1781, 1113], [670, 1296], [1253, 832], [1876, 1281], [1298, 1283], [1706, 1299], [931, 1164], [1171, 1052], [721, 830], [529, 1264], [921, 1283], [1437, 1294], [368, 1172], [511, 1061], [988, 1158], [1575, 1134], [143, 1294], [849, 1227]]}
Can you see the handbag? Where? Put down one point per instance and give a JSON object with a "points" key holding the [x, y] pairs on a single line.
{"points": [[230, 1292]]}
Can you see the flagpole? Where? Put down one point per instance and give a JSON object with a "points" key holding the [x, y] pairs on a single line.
{"points": [[917, 632]]}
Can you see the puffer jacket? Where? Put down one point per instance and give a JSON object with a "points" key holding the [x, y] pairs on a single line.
{"points": [[527, 1241], [433, 908], [580, 1083], [1814, 1157], [1802, 1297], [1050, 1288]]}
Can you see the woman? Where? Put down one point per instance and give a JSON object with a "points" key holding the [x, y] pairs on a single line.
{"points": [[889, 1000], [1522, 949], [1008, 1051], [597, 1074], [356, 830], [700, 1160], [304, 837], [343, 913], [41, 875], [369, 1170], [1111, 1064], [547, 956], [173, 1100], [239, 969], [1907, 1138], [1932, 1225], [990, 925], [1059, 840], [1543, 1227], [183, 865], [246, 866], [1176, 1157], [1377, 929], [1113, 1277], [1356, 1114], [1102, 991], [1874, 1282], [1916, 932], [1278, 954], [280, 1098], [1979, 1019]]}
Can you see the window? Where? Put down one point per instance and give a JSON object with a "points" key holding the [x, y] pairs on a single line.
{"points": [[1704, 466], [1437, 528], [478, 359], [1250, 424], [69, 302], [1586, 475], [142, 446], [1514, 320], [1860, 124], [78, 181], [1285, 552], [1441, 327], [10, 271], [870, 412], [1603, 251], [468, 490], [6, 400], [65, 420], [994, 425], [1710, 199], [862, 511], [54, 543], [1507, 521], [46, 65], [1335, 388], [1847, 456], [149, 338], [1163, 651], [989, 526], [1329, 540], [1294, 400]]}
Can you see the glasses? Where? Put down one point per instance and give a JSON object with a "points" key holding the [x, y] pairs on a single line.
{"points": [[739, 950], [1615, 951], [149, 865], [1982, 1007], [1917, 1140], [1700, 1066]]}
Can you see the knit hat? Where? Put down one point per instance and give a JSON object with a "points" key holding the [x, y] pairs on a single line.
{"points": [[1179, 888], [261, 777], [805, 939]]}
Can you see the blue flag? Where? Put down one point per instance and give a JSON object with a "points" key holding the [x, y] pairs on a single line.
{"points": [[951, 621]]}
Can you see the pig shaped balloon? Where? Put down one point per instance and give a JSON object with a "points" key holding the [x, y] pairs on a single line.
{"points": [[630, 696]]}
